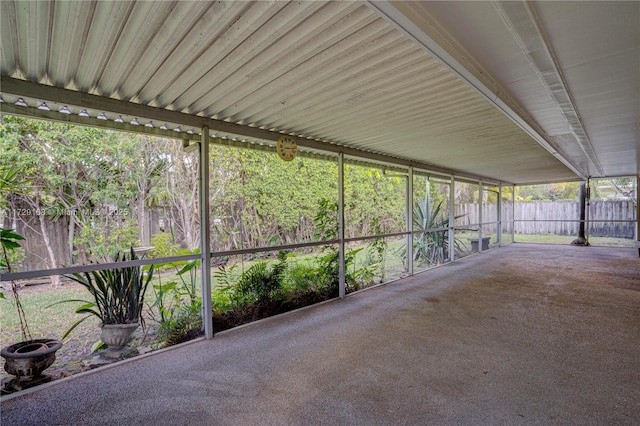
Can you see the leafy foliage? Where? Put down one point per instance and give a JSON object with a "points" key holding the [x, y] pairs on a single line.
{"points": [[9, 243], [106, 190], [260, 284], [163, 245], [170, 296], [376, 252], [372, 199], [301, 276], [431, 247], [179, 306], [117, 294], [328, 271], [548, 192], [185, 323]]}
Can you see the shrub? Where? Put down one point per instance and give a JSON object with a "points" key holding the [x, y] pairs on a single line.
{"points": [[301, 276], [184, 324], [163, 245], [179, 306], [260, 285]]}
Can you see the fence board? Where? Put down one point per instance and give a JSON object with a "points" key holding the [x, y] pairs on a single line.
{"points": [[558, 217]]}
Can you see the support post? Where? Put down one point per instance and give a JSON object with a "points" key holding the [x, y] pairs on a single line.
{"points": [[499, 206], [513, 213], [205, 235], [638, 214], [452, 219], [409, 219], [587, 211], [480, 208], [341, 248]]}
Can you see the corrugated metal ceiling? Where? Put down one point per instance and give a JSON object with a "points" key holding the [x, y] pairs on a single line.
{"points": [[570, 69], [327, 71]]}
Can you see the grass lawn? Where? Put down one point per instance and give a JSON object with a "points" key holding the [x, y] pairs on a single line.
{"points": [[563, 239], [49, 322], [49, 319]]}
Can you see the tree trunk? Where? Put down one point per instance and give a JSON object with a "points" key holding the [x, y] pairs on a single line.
{"points": [[582, 240], [72, 231], [55, 279], [143, 226]]}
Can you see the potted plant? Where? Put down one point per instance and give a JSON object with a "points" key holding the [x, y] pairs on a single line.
{"points": [[117, 300], [27, 359]]}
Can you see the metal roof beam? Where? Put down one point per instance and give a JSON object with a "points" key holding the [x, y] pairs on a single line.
{"points": [[31, 112], [58, 95]]}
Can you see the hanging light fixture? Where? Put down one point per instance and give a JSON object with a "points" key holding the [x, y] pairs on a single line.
{"points": [[64, 110], [21, 102], [84, 113]]}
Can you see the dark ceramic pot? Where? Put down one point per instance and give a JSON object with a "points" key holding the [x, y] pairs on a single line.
{"points": [[27, 360]]}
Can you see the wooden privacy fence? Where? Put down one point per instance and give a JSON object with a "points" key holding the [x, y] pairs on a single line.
{"points": [[614, 218]]}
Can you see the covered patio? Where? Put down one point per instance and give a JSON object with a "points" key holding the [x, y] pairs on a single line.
{"points": [[490, 94], [521, 335]]}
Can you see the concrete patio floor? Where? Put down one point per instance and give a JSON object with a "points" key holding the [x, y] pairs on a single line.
{"points": [[524, 334]]}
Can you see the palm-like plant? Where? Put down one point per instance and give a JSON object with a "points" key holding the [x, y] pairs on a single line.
{"points": [[118, 294]]}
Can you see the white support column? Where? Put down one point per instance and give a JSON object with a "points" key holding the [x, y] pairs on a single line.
{"points": [[480, 199], [499, 226], [638, 214], [513, 213], [587, 213], [341, 248], [205, 236], [410, 221], [452, 219]]}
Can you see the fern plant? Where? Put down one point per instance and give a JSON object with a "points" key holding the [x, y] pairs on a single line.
{"points": [[260, 284]]}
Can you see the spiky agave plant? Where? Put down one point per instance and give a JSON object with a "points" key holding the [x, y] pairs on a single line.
{"points": [[430, 246]]}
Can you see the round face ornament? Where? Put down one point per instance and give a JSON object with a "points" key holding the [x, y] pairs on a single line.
{"points": [[286, 147]]}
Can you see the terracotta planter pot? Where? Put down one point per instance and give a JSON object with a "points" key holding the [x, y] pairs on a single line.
{"points": [[29, 359], [117, 336]]}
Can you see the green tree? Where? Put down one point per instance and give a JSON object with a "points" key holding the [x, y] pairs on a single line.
{"points": [[548, 192]]}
